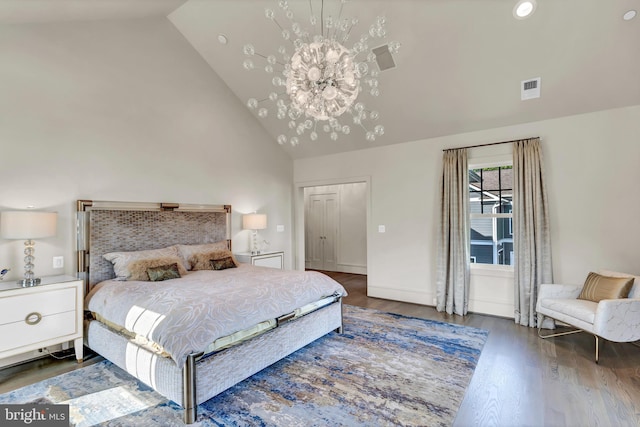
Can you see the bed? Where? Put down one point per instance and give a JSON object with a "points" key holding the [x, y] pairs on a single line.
{"points": [[167, 302]]}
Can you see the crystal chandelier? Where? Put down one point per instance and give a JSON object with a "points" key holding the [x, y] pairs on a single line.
{"points": [[320, 80]]}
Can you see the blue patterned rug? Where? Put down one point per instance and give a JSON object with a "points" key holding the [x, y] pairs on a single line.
{"points": [[386, 369]]}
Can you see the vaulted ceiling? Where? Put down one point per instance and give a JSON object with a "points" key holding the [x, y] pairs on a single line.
{"points": [[459, 69]]}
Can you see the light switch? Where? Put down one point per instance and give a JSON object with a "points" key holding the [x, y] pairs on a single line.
{"points": [[58, 262], [382, 229], [280, 228]]}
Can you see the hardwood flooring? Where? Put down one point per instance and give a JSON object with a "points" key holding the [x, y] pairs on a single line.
{"points": [[523, 380], [520, 379]]}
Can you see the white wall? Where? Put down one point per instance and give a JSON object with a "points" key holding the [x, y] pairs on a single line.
{"points": [[352, 224], [592, 174], [126, 111]]}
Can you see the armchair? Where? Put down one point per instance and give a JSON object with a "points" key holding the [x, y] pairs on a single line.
{"points": [[616, 319]]}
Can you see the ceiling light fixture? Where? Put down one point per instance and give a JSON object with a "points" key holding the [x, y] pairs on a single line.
{"points": [[321, 79], [524, 8], [629, 15]]}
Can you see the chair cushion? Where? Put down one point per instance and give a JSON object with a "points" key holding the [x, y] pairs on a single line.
{"points": [[564, 309], [598, 287]]}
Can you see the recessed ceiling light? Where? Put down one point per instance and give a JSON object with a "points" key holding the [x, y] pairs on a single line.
{"points": [[222, 39], [629, 15], [524, 8]]}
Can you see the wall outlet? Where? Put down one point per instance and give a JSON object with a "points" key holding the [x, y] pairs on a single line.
{"points": [[58, 262], [280, 228], [382, 229]]}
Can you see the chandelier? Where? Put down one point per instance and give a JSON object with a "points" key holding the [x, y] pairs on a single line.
{"points": [[317, 79]]}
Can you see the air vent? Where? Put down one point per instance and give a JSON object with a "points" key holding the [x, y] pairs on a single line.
{"points": [[383, 57], [530, 89]]}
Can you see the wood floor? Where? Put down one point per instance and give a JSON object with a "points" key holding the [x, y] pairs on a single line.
{"points": [[523, 380], [520, 379]]}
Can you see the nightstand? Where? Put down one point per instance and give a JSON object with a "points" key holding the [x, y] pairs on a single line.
{"points": [[269, 259], [41, 316]]}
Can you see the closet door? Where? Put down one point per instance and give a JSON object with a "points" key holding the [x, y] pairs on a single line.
{"points": [[322, 231]]}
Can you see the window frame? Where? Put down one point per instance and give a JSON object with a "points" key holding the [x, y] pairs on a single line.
{"points": [[476, 215]]}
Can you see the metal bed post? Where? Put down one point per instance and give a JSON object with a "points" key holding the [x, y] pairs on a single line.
{"points": [[340, 329], [189, 397]]}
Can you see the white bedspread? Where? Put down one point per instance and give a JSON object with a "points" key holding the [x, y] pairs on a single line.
{"points": [[185, 315]]}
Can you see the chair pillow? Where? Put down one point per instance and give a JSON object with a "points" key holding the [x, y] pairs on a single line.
{"points": [[598, 287], [635, 288]]}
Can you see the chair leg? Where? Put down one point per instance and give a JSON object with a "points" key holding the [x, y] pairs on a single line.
{"points": [[575, 331], [559, 334]]}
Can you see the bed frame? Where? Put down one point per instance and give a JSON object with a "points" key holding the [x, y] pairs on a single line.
{"points": [[123, 226]]}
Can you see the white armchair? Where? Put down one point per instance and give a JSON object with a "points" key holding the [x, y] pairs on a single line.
{"points": [[616, 320]]}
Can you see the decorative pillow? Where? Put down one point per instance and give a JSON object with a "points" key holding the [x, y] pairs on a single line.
{"points": [[122, 260], [222, 264], [164, 272], [598, 287], [187, 251], [202, 260], [635, 288], [139, 269]]}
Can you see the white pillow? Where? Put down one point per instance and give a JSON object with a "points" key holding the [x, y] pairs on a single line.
{"points": [[125, 262], [635, 289]]}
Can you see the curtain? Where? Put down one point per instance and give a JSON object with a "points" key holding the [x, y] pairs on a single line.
{"points": [[452, 291], [532, 242]]}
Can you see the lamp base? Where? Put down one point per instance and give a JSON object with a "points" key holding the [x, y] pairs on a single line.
{"points": [[27, 283]]}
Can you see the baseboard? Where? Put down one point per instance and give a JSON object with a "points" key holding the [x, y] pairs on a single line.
{"points": [[423, 298], [353, 269], [492, 308]]}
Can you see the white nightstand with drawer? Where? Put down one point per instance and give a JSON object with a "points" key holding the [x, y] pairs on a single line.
{"points": [[41, 316], [273, 259]]}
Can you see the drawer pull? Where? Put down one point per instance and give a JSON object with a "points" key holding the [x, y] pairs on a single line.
{"points": [[33, 318]]}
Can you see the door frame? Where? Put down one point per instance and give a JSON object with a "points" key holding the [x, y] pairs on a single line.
{"points": [[298, 214]]}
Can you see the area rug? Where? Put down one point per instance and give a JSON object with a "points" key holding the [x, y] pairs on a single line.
{"points": [[385, 370]]}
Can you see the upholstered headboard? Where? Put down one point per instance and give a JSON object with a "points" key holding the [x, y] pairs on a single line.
{"points": [[104, 227]]}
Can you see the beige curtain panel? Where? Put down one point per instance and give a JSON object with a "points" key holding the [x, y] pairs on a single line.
{"points": [[452, 292], [531, 237]]}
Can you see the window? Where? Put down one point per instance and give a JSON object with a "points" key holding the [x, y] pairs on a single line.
{"points": [[490, 203]]}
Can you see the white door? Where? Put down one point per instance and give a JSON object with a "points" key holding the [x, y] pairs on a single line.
{"points": [[322, 231]]}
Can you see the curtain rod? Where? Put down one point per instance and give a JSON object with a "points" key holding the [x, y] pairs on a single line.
{"points": [[491, 143]]}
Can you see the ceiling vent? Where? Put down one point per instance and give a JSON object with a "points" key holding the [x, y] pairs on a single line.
{"points": [[383, 57], [530, 89]]}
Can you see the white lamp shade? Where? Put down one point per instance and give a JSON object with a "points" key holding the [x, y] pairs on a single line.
{"points": [[254, 222], [28, 224]]}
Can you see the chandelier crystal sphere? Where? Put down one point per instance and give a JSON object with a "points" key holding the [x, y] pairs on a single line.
{"points": [[318, 79]]}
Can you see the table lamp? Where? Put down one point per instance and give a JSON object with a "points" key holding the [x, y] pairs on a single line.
{"points": [[28, 225], [254, 222]]}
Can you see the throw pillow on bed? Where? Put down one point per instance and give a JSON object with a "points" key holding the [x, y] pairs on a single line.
{"points": [[222, 264], [164, 272], [202, 260], [139, 269], [133, 265], [598, 287], [187, 251]]}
